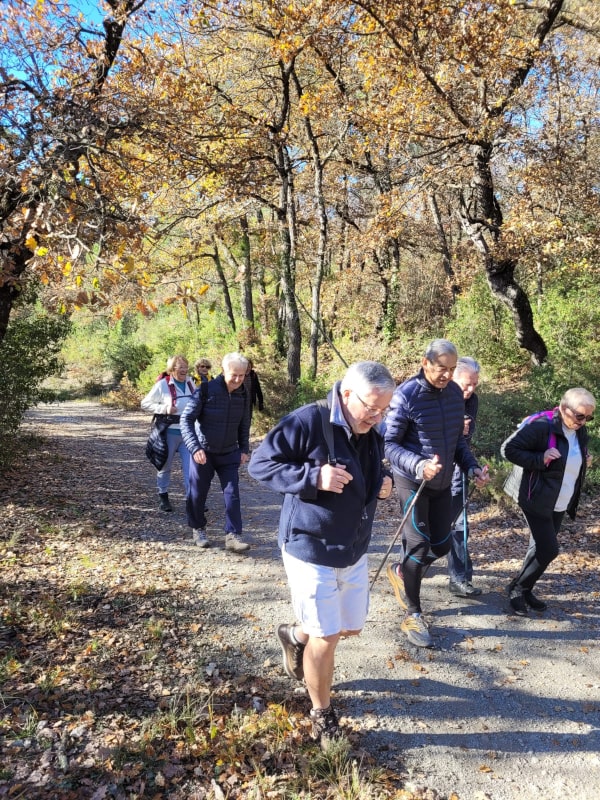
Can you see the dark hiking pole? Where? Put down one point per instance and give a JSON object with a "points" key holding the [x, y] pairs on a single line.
{"points": [[407, 514], [462, 508]]}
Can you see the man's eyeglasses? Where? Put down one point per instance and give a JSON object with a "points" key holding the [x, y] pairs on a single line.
{"points": [[581, 417], [373, 412]]}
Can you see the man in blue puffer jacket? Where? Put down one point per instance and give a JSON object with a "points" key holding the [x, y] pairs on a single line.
{"points": [[215, 426], [329, 501], [423, 441]]}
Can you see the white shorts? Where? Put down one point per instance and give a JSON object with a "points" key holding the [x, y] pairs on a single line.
{"points": [[328, 600]]}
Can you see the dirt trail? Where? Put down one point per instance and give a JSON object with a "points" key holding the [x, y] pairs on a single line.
{"points": [[505, 708]]}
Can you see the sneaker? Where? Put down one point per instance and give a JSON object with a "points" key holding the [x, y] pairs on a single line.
{"points": [[417, 631], [533, 601], [199, 537], [463, 589], [325, 726], [234, 543], [517, 600], [394, 573], [164, 503], [292, 651]]}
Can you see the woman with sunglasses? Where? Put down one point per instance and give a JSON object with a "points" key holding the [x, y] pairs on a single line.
{"points": [[550, 459]]}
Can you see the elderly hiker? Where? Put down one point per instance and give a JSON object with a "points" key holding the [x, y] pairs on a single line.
{"points": [[423, 441], [550, 458], [327, 462], [216, 430]]}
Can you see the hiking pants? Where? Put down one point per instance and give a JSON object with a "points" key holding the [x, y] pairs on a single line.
{"points": [[227, 467], [425, 536], [175, 445], [543, 547], [460, 566]]}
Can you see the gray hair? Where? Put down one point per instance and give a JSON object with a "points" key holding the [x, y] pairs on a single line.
{"points": [[236, 359], [440, 347], [363, 376], [467, 364], [578, 397]]}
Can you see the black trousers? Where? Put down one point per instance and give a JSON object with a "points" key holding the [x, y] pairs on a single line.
{"points": [[425, 536], [543, 548]]}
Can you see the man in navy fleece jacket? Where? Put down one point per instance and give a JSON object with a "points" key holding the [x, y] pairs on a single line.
{"points": [[325, 523]]}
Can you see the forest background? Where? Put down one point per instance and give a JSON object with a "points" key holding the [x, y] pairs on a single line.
{"points": [[311, 183]]}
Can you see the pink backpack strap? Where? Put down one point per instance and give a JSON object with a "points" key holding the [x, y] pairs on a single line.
{"points": [[172, 389], [549, 414]]}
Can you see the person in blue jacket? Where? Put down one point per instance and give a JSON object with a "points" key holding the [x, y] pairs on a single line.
{"points": [[423, 441], [215, 426], [329, 501]]}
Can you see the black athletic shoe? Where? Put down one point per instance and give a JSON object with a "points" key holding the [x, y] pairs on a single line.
{"points": [[164, 503], [517, 602], [533, 601], [464, 589]]}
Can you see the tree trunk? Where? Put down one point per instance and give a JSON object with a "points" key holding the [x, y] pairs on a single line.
{"points": [[247, 306], [316, 322], [223, 281], [443, 242], [500, 275], [287, 238], [481, 219], [13, 261]]}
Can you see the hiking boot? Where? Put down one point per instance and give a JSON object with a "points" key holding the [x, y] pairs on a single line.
{"points": [[463, 589], [517, 600], [164, 503], [234, 543], [292, 651], [325, 726], [199, 537], [533, 601], [394, 573], [416, 630]]}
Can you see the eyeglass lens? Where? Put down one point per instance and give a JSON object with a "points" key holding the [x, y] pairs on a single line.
{"points": [[581, 417]]}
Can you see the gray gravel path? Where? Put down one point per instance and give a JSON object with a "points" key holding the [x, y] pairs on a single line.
{"points": [[504, 708]]}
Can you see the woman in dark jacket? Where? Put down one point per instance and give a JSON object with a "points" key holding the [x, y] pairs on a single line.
{"points": [[550, 458]]}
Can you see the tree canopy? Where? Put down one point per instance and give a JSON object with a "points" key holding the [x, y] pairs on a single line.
{"points": [[356, 163]]}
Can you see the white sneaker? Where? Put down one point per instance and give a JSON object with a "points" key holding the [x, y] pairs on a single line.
{"points": [[235, 543], [199, 537]]}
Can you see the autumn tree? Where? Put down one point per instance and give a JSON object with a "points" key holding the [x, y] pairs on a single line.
{"points": [[67, 218], [462, 76]]}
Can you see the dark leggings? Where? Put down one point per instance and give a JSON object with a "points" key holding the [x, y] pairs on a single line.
{"points": [[543, 548], [425, 536]]}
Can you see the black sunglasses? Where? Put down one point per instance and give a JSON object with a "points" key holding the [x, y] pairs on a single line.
{"points": [[581, 417]]}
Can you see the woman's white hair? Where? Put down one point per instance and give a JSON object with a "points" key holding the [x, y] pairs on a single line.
{"points": [[578, 397]]}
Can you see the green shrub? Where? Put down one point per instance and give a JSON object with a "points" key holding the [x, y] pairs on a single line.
{"points": [[125, 355], [569, 322], [30, 353], [482, 327]]}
